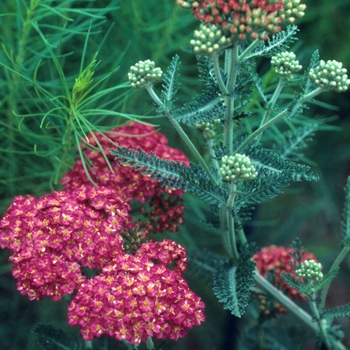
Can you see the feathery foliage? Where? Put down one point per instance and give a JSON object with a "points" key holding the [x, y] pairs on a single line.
{"points": [[278, 43], [170, 84], [275, 173], [336, 312], [232, 284], [173, 174]]}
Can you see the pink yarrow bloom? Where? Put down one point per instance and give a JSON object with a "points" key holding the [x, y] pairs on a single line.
{"points": [[138, 296], [51, 237], [166, 206]]}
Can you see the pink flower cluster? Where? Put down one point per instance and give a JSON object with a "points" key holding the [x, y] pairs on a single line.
{"points": [[277, 259], [166, 207], [138, 296], [139, 290], [242, 18], [50, 237]]}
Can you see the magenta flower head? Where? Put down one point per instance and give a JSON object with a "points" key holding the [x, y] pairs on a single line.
{"points": [[166, 205], [51, 237], [138, 296]]}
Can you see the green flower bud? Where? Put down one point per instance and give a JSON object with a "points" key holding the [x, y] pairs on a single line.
{"points": [[144, 73], [330, 75], [310, 270], [208, 39], [237, 167], [285, 63], [207, 128]]}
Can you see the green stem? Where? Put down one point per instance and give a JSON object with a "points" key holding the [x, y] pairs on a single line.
{"points": [[215, 59], [261, 129], [271, 104], [345, 250], [248, 50], [150, 344], [226, 242], [231, 61], [285, 301], [278, 117], [214, 161], [320, 321], [230, 232], [183, 135], [292, 307]]}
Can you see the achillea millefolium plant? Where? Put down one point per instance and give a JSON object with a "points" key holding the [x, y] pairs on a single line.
{"points": [[110, 241]]}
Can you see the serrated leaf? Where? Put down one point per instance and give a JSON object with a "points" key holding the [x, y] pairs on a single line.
{"points": [[170, 83], [173, 174], [274, 174], [336, 312], [206, 107], [50, 338], [293, 282], [279, 42], [232, 284], [326, 279]]}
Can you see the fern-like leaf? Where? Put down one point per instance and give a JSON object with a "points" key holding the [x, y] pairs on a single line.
{"points": [[314, 62], [206, 107], [173, 174], [326, 280], [256, 79], [278, 43], [294, 282], [170, 84], [232, 284], [291, 146], [274, 173], [336, 312]]}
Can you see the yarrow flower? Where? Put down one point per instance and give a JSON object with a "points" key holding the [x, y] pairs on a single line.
{"points": [[240, 18], [138, 296], [130, 184], [51, 237], [275, 260], [135, 296]]}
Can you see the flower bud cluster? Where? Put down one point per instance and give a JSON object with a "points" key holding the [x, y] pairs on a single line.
{"points": [[208, 39], [330, 75], [310, 270], [144, 73], [242, 19], [291, 11], [207, 128], [285, 63], [237, 167]]}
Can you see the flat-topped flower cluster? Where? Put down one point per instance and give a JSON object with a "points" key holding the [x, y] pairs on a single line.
{"points": [[239, 19], [139, 290]]}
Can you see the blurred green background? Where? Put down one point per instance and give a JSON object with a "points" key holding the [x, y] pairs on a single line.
{"points": [[157, 30]]}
